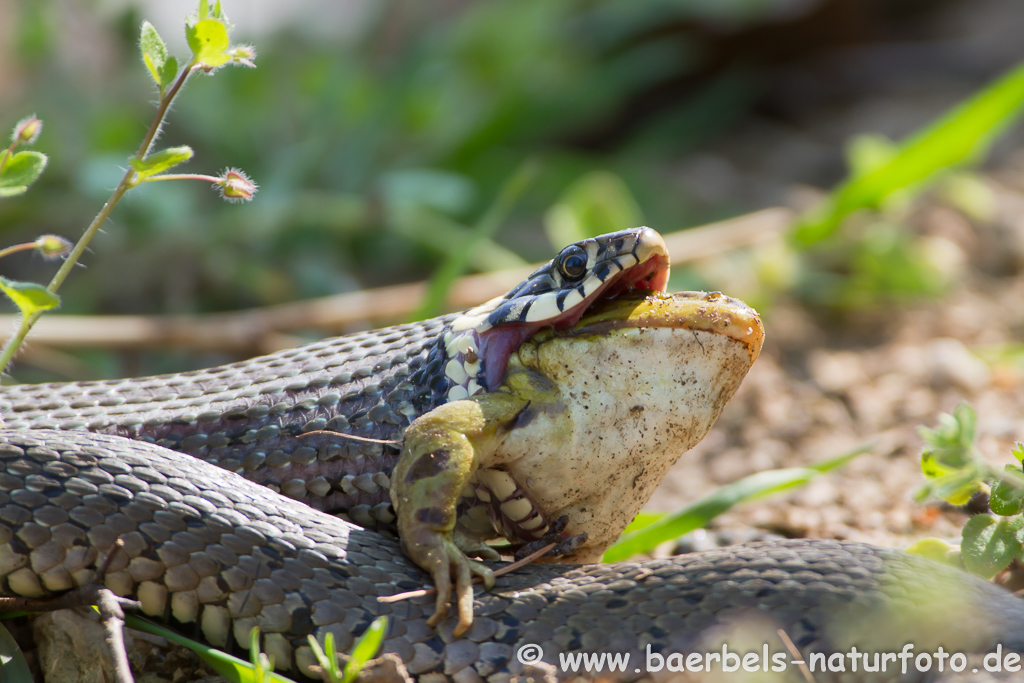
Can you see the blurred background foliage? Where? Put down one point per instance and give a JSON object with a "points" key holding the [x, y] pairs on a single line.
{"points": [[381, 133]]}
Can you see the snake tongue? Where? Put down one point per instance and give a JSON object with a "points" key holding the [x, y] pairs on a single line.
{"points": [[498, 343]]}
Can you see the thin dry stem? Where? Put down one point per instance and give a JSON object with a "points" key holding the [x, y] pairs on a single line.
{"points": [[501, 571]]}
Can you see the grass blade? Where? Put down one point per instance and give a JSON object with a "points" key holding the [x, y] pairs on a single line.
{"points": [[13, 667], [962, 135], [230, 667], [698, 515], [365, 649]]}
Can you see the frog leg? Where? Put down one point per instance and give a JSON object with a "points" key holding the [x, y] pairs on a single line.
{"points": [[441, 452]]}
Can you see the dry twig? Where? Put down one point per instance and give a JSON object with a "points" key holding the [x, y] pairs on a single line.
{"points": [[109, 604], [260, 330]]}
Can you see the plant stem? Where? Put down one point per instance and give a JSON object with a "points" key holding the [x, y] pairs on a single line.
{"points": [[129, 181], [183, 176], [27, 246], [7, 154]]}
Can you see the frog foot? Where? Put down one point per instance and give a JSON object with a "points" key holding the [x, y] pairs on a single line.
{"points": [[471, 545], [438, 554]]}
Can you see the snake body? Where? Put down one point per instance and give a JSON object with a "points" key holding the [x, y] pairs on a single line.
{"points": [[173, 466], [255, 417], [217, 554]]}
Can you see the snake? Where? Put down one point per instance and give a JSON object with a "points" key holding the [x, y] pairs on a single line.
{"points": [[297, 491]]}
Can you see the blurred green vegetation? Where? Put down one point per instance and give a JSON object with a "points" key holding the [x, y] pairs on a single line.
{"points": [[373, 147], [385, 154]]}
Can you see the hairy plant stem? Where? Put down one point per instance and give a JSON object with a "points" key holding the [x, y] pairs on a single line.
{"points": [[183, 176], [27, 246], [129, 181]]}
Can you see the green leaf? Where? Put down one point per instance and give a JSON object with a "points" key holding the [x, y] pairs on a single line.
{"points": [[29, 297], [262, 664], [642, 519], [326, 656], [989, 544], [169, 70], [1005, 499], [204, 9], [1018, 452], [703, 511], [865, 153], [967, 423], [19, 171], [208, 39], [838, 461], [956, 488], [930, 466], [228, 666], [13, 667], [254, 647], [962, 135], [161, 161], [936, 549], [366, 648], [154, 53], [950, 446]]}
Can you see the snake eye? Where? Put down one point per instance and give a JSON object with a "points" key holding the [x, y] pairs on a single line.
{"points": [[572, 263]]}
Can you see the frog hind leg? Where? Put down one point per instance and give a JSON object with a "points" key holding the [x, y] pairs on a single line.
{"points": [[441, 451]]}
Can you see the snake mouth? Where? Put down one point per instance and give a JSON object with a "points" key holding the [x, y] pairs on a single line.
{"points": [[649, 274], [694, 311]]}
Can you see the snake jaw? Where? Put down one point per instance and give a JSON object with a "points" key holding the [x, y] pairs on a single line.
{"points": [[480, 342]]}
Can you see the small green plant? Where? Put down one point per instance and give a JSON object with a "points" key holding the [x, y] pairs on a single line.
{"points": [[260, 667], [365, 649], [207, 34], [956, 471], [18, 170], [262, 663]]}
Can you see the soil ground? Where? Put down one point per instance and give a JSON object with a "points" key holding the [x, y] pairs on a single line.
{"points": [[826, 384]]}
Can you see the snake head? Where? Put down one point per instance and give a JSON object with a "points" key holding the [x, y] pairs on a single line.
{"points": [[478, 343]]}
